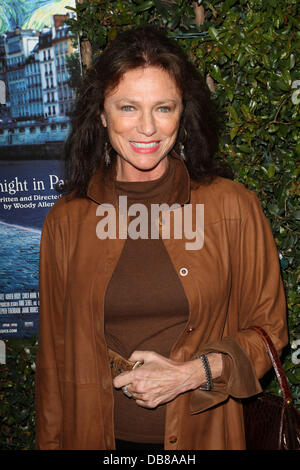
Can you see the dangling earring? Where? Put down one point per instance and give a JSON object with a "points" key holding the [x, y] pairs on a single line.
{"points": [[106, 155], [181, 145], [181, 152]]}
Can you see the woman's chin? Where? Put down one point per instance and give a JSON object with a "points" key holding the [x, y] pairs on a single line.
{"points": [[142, 167]]}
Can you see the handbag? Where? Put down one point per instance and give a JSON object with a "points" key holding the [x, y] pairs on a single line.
{"points": [[272, 422]]}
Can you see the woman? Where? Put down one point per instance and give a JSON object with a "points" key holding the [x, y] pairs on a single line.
{"points": [[115, 286]]}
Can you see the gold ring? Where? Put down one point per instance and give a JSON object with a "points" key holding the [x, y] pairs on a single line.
{"points": [[137, 364]]}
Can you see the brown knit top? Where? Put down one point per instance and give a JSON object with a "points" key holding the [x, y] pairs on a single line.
{"points": [[145, 307]]}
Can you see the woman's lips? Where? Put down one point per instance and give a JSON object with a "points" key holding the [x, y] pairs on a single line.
{"points": [[145, 147]]}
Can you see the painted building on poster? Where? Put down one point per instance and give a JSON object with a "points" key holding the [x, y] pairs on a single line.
{"points": [[4, 105], [18, 46], [32, 72], [62, 48], [33, 65], [48, 75], [55, 45]]}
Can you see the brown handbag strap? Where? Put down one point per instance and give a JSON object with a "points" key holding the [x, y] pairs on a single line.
{"points": [[284, 386]]}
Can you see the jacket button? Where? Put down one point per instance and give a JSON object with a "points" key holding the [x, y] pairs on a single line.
{"points": [[173, 440], [183, 272]]}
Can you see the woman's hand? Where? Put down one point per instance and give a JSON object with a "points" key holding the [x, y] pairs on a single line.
{"points": [[160, 379]]}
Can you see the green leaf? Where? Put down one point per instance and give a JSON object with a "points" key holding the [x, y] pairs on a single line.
{"points": [[280, 84], [213, 32], [246, 112], [243, 59], [266, 61], [273, 128], [229, 93], [271, 171], [233, 132], [233, 113], [244, 148], [144, 6], [286, 77], [292, 61], [216, 73]]}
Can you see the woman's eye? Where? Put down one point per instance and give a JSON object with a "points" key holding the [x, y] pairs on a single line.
{"points": [[164, 109], [127, 108]]}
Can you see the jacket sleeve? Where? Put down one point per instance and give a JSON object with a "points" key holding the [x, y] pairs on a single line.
{"points": [[259, 295], [49, 364]]}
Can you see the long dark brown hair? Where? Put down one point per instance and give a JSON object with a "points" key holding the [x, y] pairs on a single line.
{"points": [[141, 47]]}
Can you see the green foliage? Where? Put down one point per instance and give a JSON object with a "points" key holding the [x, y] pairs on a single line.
{"points": [[17, 428], [74, 70], [249, 48], [252, 55]]}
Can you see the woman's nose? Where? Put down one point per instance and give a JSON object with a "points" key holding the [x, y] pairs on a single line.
{"points": [[146, 124]]}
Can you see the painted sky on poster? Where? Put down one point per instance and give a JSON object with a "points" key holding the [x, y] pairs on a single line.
{"points": [[33, 14]]}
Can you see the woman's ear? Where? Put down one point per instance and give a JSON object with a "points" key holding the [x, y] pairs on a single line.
{"points": [[103, 119]]}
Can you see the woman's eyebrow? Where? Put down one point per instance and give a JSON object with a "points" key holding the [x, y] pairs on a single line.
{"points": [[129, 100]]}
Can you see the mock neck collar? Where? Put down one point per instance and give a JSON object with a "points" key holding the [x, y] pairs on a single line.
{"points": [[101, 188]]}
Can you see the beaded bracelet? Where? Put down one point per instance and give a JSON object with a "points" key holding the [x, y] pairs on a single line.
{"points": [[209, 383]]}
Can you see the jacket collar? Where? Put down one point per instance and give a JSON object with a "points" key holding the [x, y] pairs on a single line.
{"points": [[101, 188]]}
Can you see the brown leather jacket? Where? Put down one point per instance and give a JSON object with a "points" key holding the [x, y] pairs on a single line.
{"points": [[233, 282]]}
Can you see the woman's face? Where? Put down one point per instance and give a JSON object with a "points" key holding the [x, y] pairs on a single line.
{"points": [[142, 116]]}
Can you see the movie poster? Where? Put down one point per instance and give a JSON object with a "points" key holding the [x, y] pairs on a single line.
{"points": [[39, 69]]}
